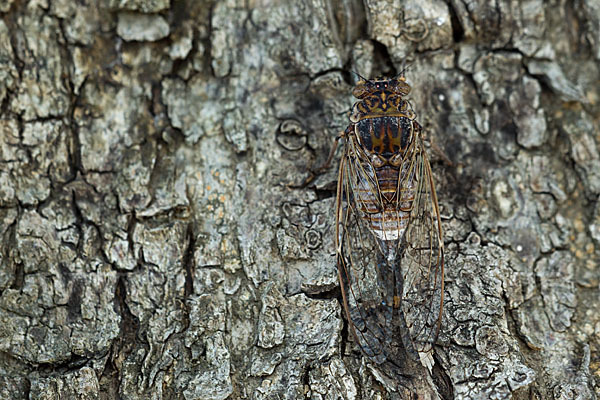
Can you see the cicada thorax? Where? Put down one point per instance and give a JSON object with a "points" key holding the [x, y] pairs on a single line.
{"points": [[384, 132]]}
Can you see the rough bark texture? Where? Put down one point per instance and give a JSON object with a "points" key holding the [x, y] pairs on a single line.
{"points": [[154, 247]]}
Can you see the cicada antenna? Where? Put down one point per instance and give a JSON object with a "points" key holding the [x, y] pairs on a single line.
{"points": [[403, 71], [359, 75]]}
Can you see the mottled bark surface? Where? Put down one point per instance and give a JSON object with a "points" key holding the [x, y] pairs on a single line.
{"points": [[153, 245]]}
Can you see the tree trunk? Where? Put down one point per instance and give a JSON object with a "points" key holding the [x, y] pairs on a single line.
{"points": [[155, 242]]}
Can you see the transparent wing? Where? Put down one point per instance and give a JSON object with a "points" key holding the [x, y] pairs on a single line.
{"points": [[390, 298], [422, 263], [362, 272]]}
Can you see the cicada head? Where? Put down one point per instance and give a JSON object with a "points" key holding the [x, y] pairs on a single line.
{"points": [[393, 86]]}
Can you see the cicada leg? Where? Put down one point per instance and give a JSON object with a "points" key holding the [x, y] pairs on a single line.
{"points": [[314, 173], [436, 148]]}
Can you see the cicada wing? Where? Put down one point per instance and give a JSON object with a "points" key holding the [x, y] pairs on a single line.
{"points": [[422, 263], [391, 285], [364, 277]]}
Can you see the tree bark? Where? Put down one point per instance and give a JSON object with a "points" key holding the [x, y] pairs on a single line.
{"points": [[155, 242]]}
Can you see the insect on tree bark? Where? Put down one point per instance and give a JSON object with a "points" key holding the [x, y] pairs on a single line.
{"points": [[389, 243]]}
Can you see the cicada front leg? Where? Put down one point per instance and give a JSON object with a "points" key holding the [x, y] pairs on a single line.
{"points": [[316, 172]]}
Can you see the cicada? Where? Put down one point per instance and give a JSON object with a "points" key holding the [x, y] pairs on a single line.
{"points": [[389, 244]]}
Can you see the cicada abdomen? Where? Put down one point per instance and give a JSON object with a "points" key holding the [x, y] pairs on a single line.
{"points": [[389, 235]]}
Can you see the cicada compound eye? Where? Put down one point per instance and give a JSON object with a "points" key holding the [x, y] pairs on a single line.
{"points": [[360, 90], [400, 86]]}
